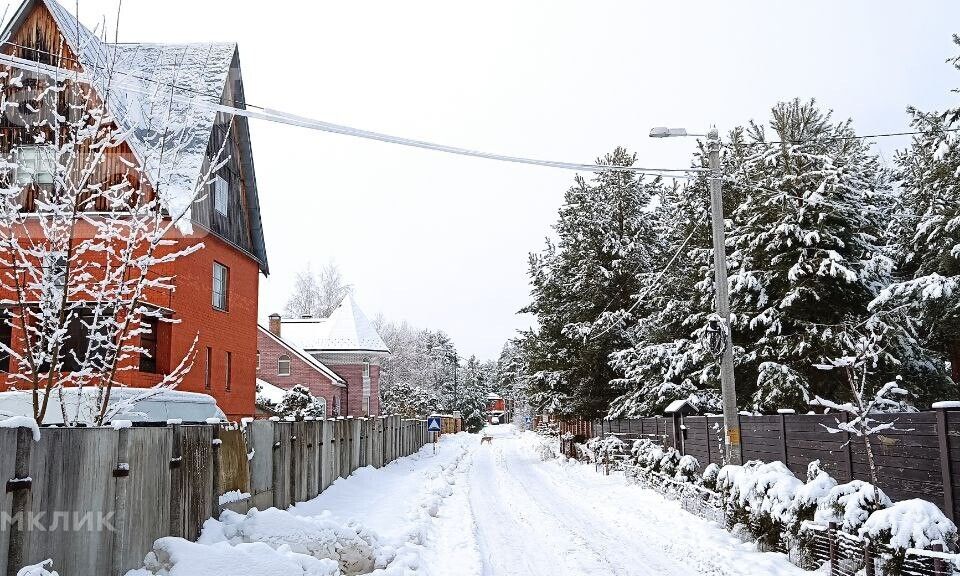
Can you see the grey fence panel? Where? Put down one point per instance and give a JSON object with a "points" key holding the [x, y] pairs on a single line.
{"points": [[196, 493], [355, 431], [312, 431], [72, 472], [260, 439], [148, 455], [282, 474], [299, 461], [327, 455]]}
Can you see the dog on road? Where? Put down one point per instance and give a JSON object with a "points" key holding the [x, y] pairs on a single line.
{"points": [[486, 440]]}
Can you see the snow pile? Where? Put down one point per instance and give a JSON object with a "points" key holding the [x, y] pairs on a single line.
{"points": [[910, 524], [179, 557], [37, 569], [850, 504], [353, 548]]}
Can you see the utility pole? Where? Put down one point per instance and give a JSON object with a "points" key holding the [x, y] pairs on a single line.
{"points": [[731, 416]]}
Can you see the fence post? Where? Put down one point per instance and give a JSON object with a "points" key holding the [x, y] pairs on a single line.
{"points": [[783, 438], [21, 502], [121, 472], [939, 566], [869, 567], [176, 481], [945, 464], [832, 537], [215, 467]]}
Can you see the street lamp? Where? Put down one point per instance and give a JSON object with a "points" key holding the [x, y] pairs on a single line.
{"points": [[731, 418]]}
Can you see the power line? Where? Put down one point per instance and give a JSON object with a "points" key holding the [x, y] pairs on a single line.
{"points": [[270, 115]]}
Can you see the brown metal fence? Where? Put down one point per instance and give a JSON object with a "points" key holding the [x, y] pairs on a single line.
{"points": [[919, 458]]}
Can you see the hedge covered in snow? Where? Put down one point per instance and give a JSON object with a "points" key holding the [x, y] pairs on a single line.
{"points": [[768, 502]]}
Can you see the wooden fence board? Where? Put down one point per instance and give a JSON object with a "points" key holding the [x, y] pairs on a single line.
{"points": [[72, 472], [8, 454]]}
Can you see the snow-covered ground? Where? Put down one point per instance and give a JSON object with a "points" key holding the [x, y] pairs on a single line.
{"points": [[499, 509]]}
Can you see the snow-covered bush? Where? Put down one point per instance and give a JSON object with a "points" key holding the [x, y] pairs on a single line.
{"points": [[908, 524], [639, 449], [709, 477], [850, 504], [687, 469], [805, 500], [669, 462]]}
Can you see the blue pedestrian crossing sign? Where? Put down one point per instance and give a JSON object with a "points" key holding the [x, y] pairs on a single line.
{"points": [[433, 424]]}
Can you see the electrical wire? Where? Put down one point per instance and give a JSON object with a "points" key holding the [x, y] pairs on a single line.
{"points": [[277, 116]]}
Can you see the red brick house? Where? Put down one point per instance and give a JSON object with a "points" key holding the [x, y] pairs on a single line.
{"points": [[284, 366], [216, 288], [346, 344]]}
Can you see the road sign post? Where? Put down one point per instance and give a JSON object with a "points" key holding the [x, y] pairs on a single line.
{"points": [[434, 428]]}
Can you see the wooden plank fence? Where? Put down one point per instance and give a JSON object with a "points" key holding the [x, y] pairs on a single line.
{"points": [[918, 458], [95, 499]]}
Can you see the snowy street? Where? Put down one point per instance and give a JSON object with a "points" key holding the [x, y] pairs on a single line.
{"points": [[498, 509]]}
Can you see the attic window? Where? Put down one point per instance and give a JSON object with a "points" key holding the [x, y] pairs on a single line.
{"points": [[221, 195]]}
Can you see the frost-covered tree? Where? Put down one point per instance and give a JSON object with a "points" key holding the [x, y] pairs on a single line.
{"points": [[317, 295], [582, 285], [87, 236]]}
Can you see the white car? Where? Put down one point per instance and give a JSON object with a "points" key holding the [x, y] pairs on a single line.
{"points": [[133, 404]]}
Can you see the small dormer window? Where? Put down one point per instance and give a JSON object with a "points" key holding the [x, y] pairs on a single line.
{"points": [[221, 195]]}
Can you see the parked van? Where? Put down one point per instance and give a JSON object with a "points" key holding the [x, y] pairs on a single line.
{"points": [[134, 404]]}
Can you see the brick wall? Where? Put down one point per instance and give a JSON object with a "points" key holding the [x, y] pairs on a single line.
{"points": [[233, 330], [301, 372]]}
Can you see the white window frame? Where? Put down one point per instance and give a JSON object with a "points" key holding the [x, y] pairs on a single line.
{"points": [[221, 195], [221, 287], [280, 360]]}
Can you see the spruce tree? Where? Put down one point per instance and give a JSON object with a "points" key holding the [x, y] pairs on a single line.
{"points": [[581, 287]]}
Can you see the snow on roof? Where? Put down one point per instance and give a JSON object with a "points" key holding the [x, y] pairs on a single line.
{"points": [[145, 86], [336, 378], [154, 99], [269, 392], [346, 330], [675, 406]]}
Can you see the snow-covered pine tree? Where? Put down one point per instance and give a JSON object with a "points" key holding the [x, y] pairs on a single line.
{"points": [[924, 299], [807, 254], [581, 287]]}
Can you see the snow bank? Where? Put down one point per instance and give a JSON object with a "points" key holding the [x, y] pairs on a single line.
{"points": [[352, 547], [22, 422], [910, 524], [179, 557], [37, 569]]}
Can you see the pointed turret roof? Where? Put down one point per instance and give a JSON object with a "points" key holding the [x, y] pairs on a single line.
{"points": [[346, 330]]}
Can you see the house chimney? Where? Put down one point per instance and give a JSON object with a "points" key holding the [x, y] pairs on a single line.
{"points": [[275, 324]]}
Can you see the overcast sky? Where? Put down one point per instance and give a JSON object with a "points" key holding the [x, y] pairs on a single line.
{"points": [[442, 241]]}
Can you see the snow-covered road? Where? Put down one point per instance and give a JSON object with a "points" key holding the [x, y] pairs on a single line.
{"points": [[533, 517], [505, 508]]}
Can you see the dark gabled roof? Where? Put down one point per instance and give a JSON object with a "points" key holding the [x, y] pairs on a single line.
{"points": [[156, 94]]}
